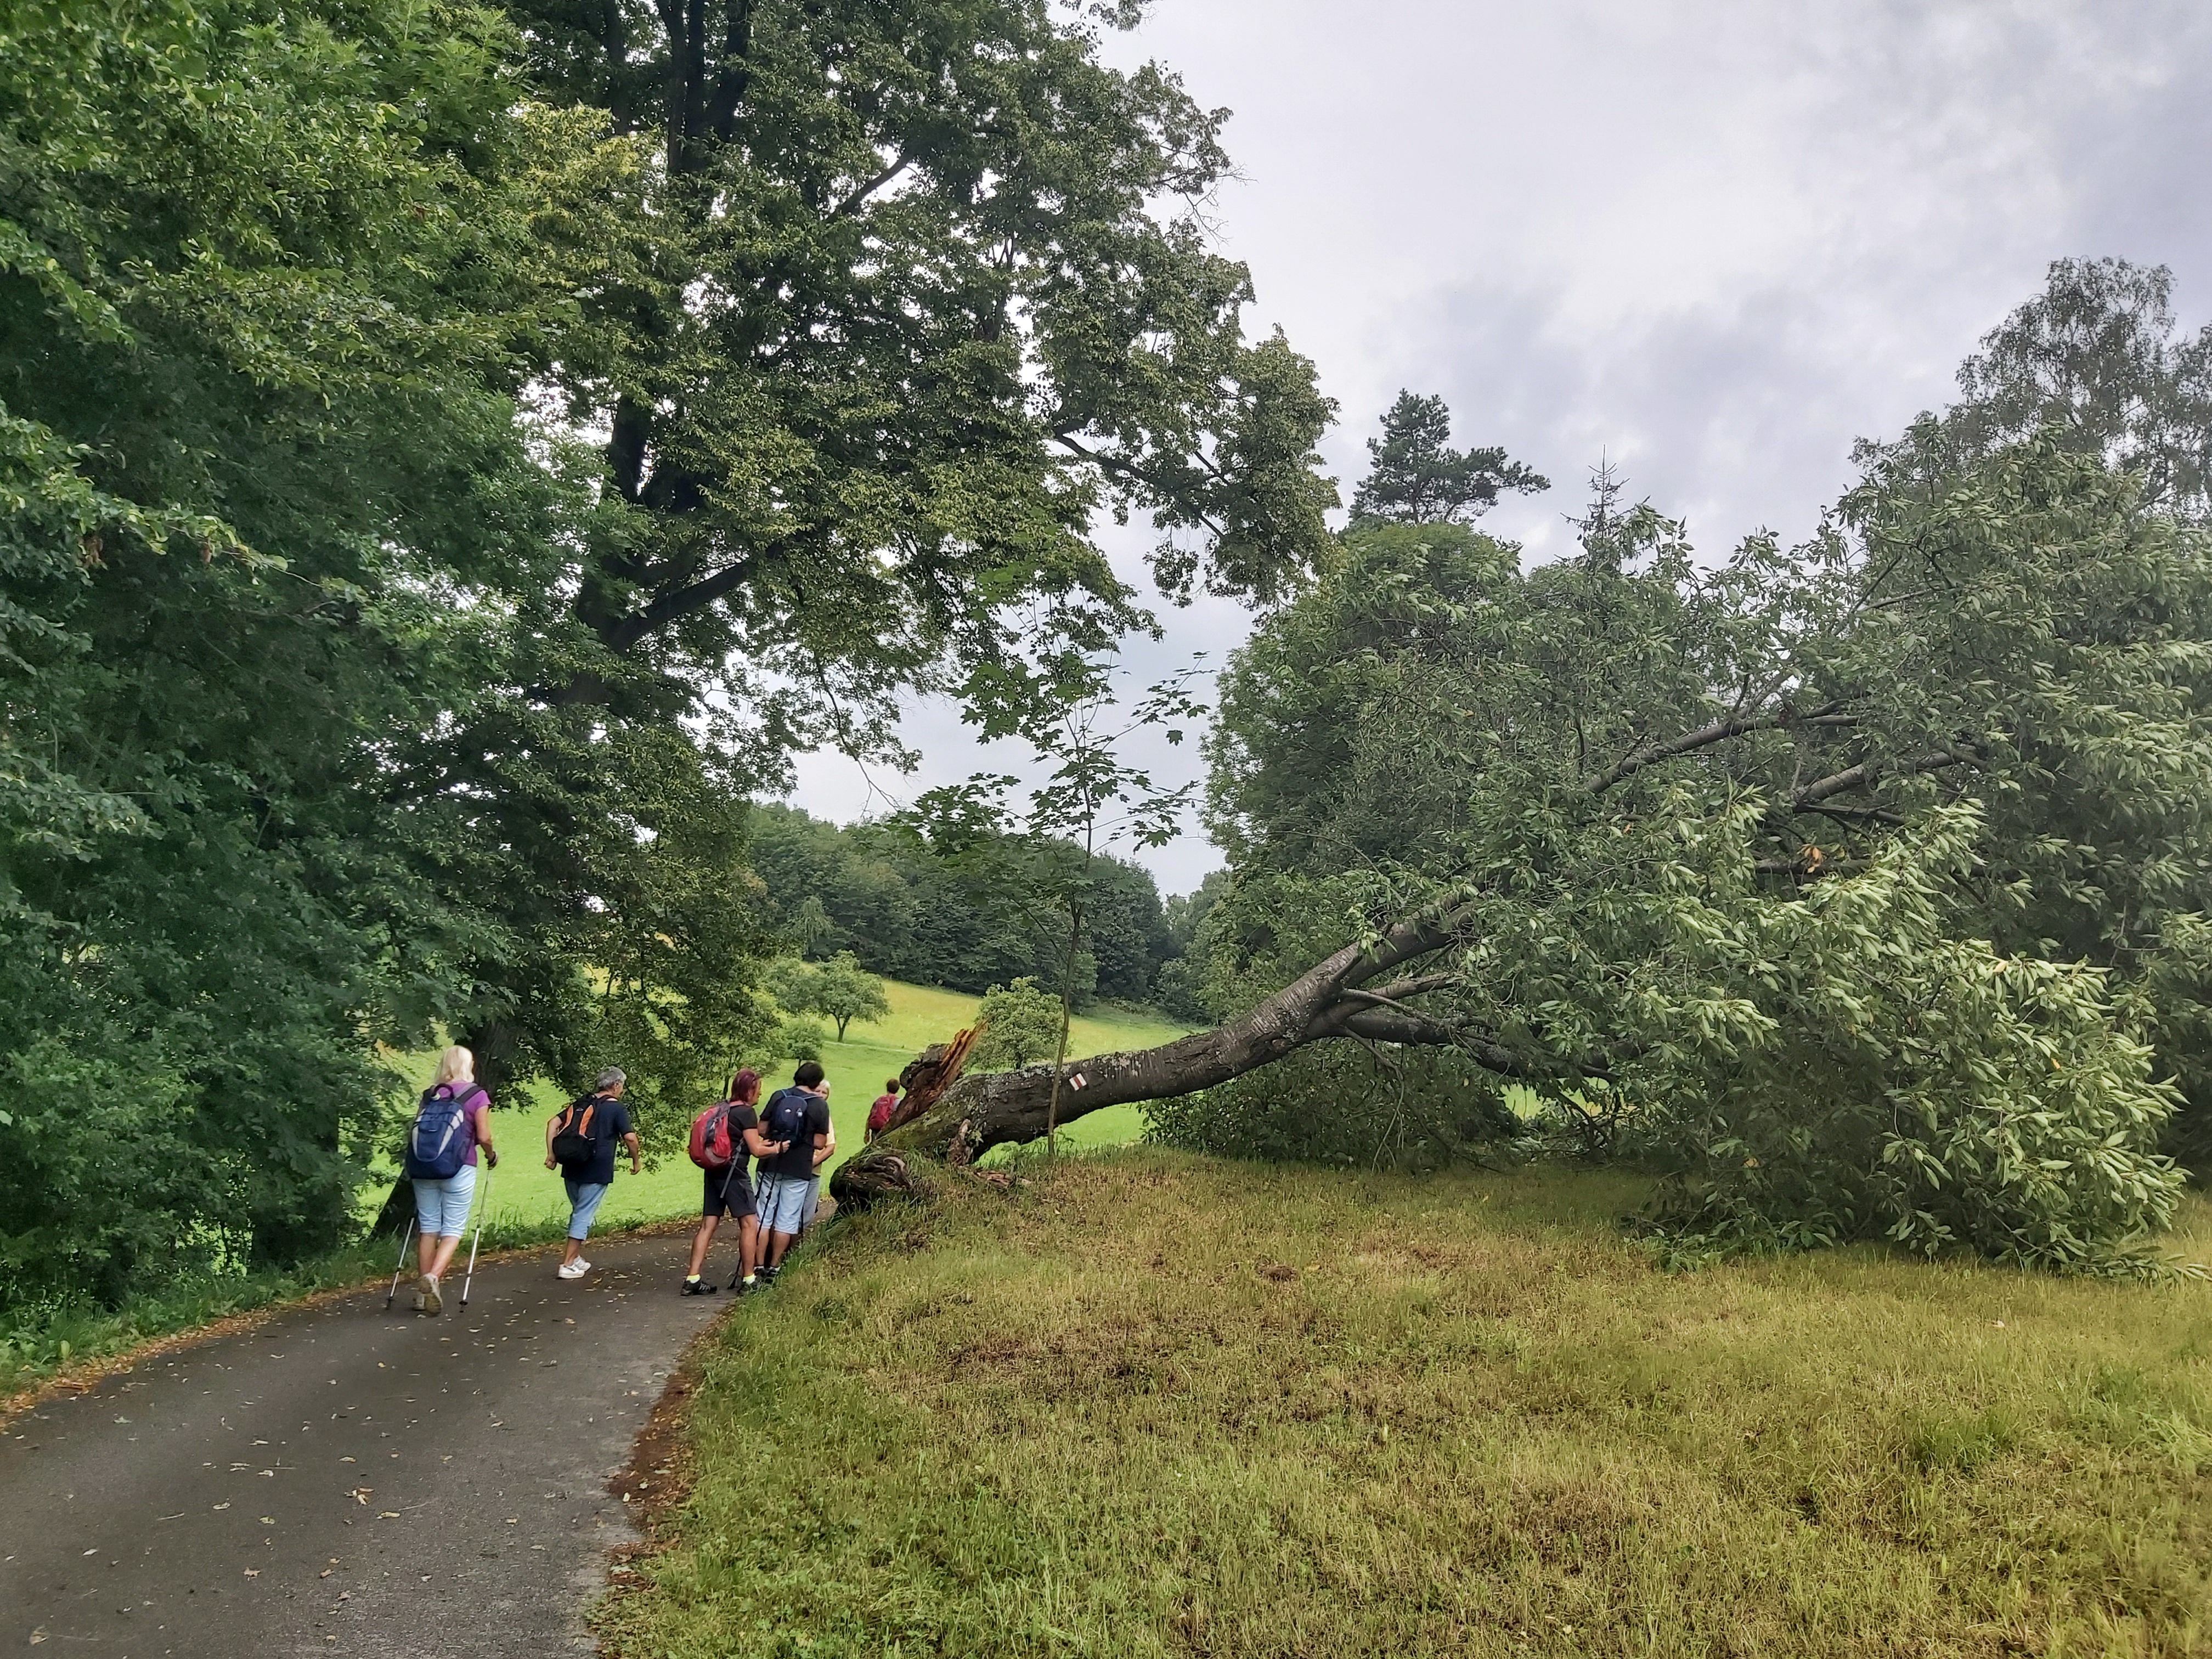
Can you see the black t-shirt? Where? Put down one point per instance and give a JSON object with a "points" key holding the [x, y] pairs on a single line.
{"points": [[797, 1158], [609, 1123], [742, 1118]]}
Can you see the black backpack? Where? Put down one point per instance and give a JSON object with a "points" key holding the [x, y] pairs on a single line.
{"points": [[573, 1141], [788, 1119]]}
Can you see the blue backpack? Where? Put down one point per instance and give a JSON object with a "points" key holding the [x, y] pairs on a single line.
{"points": [[787, 1119], [438, 1146]]}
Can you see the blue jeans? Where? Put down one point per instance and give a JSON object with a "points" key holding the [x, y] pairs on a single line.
{"points": [[584, 1198], [442, 1207]]}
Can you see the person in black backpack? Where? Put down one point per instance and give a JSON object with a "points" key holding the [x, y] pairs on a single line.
{"points": [[580, 1141], [729, 1189], [451, 1120], [790, 1181]]}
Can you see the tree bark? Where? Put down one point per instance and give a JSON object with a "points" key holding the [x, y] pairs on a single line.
{"points": [[1331, 999]]}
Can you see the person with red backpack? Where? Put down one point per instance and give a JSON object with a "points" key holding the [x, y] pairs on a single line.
{"points": [[451, 1120], [879, 1114], [725, 1139]]}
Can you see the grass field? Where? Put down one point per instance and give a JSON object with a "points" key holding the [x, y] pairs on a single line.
{"points": [[523, 1194], [1153, 1404]]}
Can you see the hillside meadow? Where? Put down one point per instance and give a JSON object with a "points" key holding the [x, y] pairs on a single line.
{"points": [[1151, 1404], [524, 1195]]}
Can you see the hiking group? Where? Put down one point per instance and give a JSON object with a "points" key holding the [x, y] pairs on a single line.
{"points": [[791, 1137]]}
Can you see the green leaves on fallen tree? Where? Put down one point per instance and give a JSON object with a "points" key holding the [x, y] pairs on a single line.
{"points": [[1842, 1066], [1858, 883]]}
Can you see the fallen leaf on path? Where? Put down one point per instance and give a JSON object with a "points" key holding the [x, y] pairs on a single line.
{"points": [[268, 1519], [360, 1494], [387, 1514], [254, 1572], [222, 1506]]}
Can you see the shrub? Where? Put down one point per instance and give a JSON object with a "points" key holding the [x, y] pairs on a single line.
{"points": [[1343, 1105]]}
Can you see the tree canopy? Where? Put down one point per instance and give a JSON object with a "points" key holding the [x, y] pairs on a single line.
{"points": [[1858, 883], [450, 457], [1415, 476]]}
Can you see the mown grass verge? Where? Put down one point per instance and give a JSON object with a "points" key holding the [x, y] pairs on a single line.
{"points": [[1151, 1404]]}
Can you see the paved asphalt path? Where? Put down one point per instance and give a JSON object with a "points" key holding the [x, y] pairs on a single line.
{"points": [[344, 1481]]}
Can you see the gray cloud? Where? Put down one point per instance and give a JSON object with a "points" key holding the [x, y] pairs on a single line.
{"points": [[1714, 240]]}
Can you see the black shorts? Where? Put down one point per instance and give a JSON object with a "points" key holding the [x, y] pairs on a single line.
{"points": [[727, 1191]]}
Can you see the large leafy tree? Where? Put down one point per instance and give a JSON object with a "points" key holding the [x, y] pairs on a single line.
{"points": [[261, 270], [876, 310], [1809, 866], [897, 299]]}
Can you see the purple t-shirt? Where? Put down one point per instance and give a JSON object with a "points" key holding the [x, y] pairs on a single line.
{"points": [[477, 1102]]}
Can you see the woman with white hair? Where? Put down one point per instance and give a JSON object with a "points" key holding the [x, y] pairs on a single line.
{"points": [[460, 1113]]}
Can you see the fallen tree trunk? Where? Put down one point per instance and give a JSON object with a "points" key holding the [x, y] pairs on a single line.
{"points": [[1336, 998]]}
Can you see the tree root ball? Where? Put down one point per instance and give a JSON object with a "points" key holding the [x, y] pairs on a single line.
{"points": [[875, 1175]]}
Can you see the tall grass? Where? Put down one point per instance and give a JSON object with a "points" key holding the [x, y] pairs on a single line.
{"points": [[1151, 1405]]}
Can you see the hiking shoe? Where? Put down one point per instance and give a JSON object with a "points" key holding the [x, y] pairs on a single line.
{"points": [[428, 1299], [746, 1285], [575, 1269], [699, 1287], [418, 1298]]}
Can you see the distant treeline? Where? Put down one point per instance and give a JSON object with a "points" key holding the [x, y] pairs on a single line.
{"points": [[968, 923]]}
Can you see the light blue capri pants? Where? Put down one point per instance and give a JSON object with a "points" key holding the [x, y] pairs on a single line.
{"points": [[442, 1207]]}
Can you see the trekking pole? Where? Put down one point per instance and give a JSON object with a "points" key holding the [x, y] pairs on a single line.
{"points": [[400, 1266], [483, 1208]]}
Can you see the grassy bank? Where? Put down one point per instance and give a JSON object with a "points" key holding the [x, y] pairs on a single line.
{"points": [[1155, 1405]]}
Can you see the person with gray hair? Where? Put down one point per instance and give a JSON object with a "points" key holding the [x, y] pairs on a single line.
{"points": [[579, 1139]]}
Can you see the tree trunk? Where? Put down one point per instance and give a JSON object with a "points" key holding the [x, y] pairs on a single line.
{"points": [[1330, 1000]]}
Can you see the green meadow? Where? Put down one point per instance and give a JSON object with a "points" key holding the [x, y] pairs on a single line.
{"points": [[1150, 1404], [523, 1194]]}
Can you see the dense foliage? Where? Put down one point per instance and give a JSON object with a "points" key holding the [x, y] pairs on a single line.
{"points": [[257, 271], [1856, 882], [448, 456], [907, 910], [1021, 1025]]}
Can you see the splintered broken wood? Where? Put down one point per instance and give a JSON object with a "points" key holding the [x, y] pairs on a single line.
{"points": [[924, 1081]]}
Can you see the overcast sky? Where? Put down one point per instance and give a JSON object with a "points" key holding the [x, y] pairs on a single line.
{"points": [[1715, 241]]}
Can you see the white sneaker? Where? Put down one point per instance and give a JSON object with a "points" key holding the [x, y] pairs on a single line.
{"points": [[575, 1269], [431, 1304]]}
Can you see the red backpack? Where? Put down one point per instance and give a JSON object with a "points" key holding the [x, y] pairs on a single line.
{"points": [[712, 1147]]}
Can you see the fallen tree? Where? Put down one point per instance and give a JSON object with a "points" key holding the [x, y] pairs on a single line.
{"points": [[1775, 855]]}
